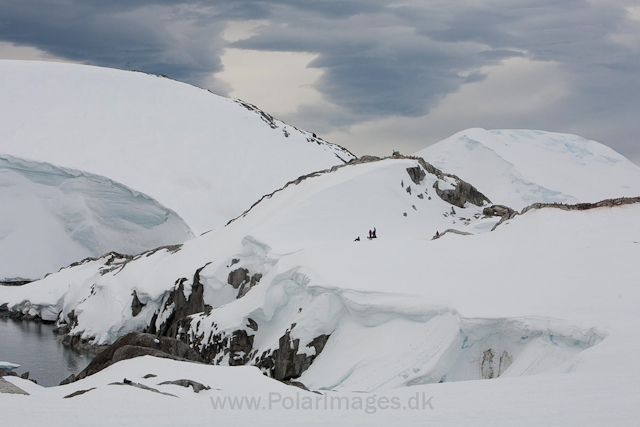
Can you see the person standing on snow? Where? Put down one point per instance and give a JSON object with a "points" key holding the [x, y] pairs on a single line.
{"points": [[374, 232]]}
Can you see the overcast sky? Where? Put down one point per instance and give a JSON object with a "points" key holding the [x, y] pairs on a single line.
{"points": [[372, 75]]}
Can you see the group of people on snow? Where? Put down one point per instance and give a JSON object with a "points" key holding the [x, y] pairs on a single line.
{"points": [[372, 235]]}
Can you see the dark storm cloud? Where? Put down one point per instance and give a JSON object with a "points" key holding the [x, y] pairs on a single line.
{"points": [[378, 59], [179, 39]]}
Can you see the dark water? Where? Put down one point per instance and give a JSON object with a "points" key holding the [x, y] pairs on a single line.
{"points": [[32, 345]]}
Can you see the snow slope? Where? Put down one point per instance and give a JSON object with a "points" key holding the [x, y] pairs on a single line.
{"points": [[53, 216], [547, 302], [520, 167], [204, 156], [327, 208], [400, 310]]}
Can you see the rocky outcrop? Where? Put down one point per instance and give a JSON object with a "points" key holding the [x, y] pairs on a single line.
{"points": [[461, 194], [15, 281], [142, 386], [134, 345], [180, 306], [499, 210], [136, 305], [451, 230], [508, 213], [9, 388], [196, 386], [242, 280], [608, 203], [465, 193], [285, 363], [78, 393], [416, 174]]}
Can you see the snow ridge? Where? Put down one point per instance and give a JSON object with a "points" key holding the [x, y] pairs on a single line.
{"points": [[202, 155]]}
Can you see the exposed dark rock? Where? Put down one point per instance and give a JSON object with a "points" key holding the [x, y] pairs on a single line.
{"points": [[142, 386], [461, 194], [609, 203], [416, 174], [486, 366], [10, 388], [15, 281], [451, 230], [246, 287], [499, 210], [408, 189], [508, 213], [78, 393], [136, 305], [137, 344], [146, 377], [251, 324], [284, 363], [183, 307], [240, 348], [238, 277], [4, 373], [197, 387]]}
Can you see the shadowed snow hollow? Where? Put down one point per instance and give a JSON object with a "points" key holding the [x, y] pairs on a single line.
{"points": [[51, 217], [520, 167], [206, 157]]}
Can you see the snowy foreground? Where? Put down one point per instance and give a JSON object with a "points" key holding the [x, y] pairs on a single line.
{"points": [[554, 399], [547, 302]]}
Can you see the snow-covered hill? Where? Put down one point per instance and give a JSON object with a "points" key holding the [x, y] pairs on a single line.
{"points": [[520, 167], [53, 216], [286, 288], [327, 210], [547, 303], [204, 156]]}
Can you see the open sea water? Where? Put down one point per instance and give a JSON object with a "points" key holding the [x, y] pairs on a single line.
{"points": [[32, 346]]}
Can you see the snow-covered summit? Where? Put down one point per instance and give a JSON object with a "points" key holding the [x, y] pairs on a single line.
{"points": [[520, 167], [54, 216], [204, 156]]}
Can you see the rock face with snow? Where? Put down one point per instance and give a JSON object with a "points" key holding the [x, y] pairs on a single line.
{"points": [[54, 216], [285, 287], [520, 167], [204, 156], [225, 270]]}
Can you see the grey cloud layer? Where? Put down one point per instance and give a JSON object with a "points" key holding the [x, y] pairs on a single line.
{"points": [[379, 59]]}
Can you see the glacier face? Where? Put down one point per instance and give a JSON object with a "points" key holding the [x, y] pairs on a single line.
{"points": [[520, 167], [204, 156], [54, 216]]}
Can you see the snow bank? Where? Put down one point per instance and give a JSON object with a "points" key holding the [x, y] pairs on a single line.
{"points": [[54, 216], [204, 156]]}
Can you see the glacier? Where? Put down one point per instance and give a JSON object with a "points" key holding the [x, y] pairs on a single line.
{"points": [[204, 156], [54, 216]]}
